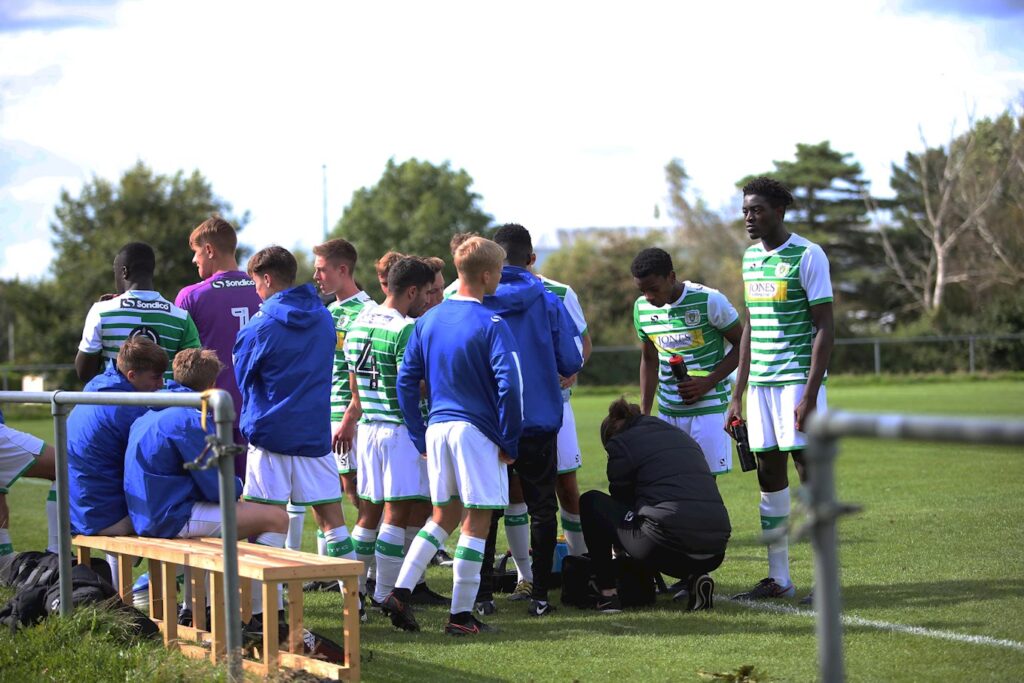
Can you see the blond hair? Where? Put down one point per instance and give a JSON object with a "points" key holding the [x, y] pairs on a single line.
{"points": [[436, 264], [385, 262], [216, 231], [141, 354], [476, 256], [197, 369]]}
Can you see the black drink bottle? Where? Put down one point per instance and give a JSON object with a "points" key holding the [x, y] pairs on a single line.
{"points": [[738, 430], [678, 367]]}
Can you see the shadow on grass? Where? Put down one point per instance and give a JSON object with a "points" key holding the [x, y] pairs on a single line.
{"points": [[931, 594]]}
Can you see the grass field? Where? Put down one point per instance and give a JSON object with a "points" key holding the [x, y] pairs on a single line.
{"points": [[939, 546]]}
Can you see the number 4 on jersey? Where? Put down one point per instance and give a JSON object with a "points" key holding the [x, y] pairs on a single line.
{"points": [[367, 365]]}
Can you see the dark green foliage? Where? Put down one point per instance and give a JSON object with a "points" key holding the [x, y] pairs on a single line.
{"points": [[415, 208]]}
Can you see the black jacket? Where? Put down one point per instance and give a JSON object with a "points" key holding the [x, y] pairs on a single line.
{"points": [[659, 471]]}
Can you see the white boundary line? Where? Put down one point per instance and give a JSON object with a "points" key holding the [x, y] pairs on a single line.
{"points": [[850, 620]]}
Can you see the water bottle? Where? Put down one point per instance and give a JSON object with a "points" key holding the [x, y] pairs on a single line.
{"points": [[561, 551], [738, 430], [678, 367]]}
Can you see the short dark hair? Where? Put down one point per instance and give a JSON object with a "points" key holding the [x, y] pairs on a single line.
{"points": [[775, 192], [620, 414], [407, 272], [138, 257], [337, 251], [516, 241], [651, 261], [277, 261]]}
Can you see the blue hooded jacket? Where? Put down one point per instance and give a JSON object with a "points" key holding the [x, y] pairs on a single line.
{"points": [[97, 436], [546, 336], [159, 490], [284, 361]]}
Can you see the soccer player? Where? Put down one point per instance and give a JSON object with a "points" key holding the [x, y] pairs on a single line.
{"points": [[283, 360], [165, 500], [549, 348], [23, 455], [687, 319], [221, 304], [784, 354], [468, 358], [334, 265], [136, 309], [391, 473]]}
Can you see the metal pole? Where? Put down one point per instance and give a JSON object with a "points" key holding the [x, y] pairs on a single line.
{"points": [[60, 447], [224, 417], [970, 354], [878, 357], [820, 458]]}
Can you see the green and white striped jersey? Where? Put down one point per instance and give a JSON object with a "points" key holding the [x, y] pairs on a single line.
{"points": [[780, 286], [690, 327], [344, 313], [374, 348], [571, 302], [109, 323]]}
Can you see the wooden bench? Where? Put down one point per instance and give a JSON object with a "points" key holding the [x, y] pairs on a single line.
{"points": [[255, 563]]}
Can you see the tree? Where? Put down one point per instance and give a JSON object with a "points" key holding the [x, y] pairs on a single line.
{"points": [[959, 210], [415, 208], [89, 229]]}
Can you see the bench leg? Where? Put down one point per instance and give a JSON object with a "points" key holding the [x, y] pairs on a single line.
{"points": [[245, 598], [169, 585], [270, 644], [199, 599], [218, 644], [124, 577], [295, 626], [83, 555], [156, 593], [351, 644]]}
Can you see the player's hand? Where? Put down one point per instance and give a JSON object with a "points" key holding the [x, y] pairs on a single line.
{"points": [[343, 436], [567, 382], [504, 457], [693, 388], [423, 455], [806, 406], [733, 412]]}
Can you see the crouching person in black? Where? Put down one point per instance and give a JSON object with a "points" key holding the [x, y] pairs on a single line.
{"points": [[664, 509]]}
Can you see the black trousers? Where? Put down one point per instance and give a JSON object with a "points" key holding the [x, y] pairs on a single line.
{"points": [[537, 468], [607, 522]]}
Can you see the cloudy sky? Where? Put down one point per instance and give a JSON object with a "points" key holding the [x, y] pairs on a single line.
{"points": [[564, 113]]}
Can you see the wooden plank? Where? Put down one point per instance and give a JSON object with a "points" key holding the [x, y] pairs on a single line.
{"points": [[269, 654], [83, 555], [218, 646], [194, 651], [169, 586], [351, 623], [295, 626], [199, 599], [245, 598], [317, 667], [124, 577], [156, 599]]}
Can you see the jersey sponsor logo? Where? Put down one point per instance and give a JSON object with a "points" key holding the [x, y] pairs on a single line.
{"points": [[781, 269], [495, 318], [677, 341], [340, 346], [140, 305], [692, 316], [227, 284], [766, 290], [145, 331]]}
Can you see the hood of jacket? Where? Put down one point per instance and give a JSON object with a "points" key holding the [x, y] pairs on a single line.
{"points": [[517, 290], [298, 307], [109, 380]]}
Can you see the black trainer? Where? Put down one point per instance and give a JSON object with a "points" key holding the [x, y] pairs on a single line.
{"points": [[442, 559], [397, 606], [423, 595], [485, 607], [540, 608], [609, 604], [321, 587], [465, 624], [701, 594]]}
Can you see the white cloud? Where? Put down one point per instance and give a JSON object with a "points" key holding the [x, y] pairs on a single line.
{"points": [[26, 260]]}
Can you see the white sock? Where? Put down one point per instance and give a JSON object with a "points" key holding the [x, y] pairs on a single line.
{"points": [[427, 542], [274, 540], [469, 555], [52, 528], [775, 513], [573, 531], [517, 530], [365, 542], [390, 554], [339, 544], [6, 547], [296, 519], [321, 543], [410, 536]]}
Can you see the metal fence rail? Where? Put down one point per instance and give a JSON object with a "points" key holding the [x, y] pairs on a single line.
{"points": [[223, 414], [823, 434]]}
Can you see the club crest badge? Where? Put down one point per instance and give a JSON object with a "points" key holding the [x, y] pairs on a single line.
{"points": [[692, 317], [781, 269]]}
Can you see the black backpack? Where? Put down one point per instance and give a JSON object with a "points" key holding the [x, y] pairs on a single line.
{"points": [[636, 583]]}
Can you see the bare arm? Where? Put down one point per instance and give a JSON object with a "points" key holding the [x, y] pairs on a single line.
{"points": [[87, 365], [342, 438], [588, 346], [695, 387], [821, 354], [648, 376], [735, 410]]}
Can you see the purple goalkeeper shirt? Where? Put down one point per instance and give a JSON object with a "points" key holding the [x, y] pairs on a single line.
{"points": [[220, 306]]}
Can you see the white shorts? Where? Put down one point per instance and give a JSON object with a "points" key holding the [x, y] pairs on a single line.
{"points": [[463, 463], [281, 479], [568, 445], [346, 461], [204, 521], [18, 452], [771, 418], [390, 468], [709, 433]]}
